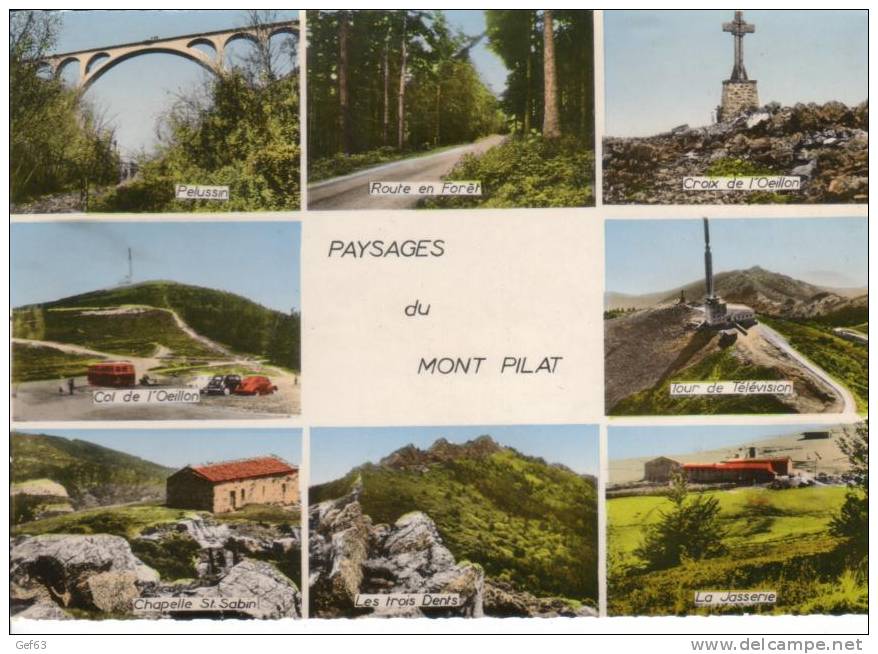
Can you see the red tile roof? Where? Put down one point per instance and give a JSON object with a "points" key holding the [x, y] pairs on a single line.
{"points": [[729, 465], [265, 466]]}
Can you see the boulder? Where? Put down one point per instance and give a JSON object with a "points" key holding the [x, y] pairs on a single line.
{"points": [[339, 545], [109, 592], [350, 556], [65, 565], [275, 595], [43, 611], [66, 558]]}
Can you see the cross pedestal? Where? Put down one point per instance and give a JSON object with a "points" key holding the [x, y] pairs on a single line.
{"points": [[739, 92]]}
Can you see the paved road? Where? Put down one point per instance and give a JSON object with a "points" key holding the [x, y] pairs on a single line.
{"points": [[850, 404], [351, 191]]}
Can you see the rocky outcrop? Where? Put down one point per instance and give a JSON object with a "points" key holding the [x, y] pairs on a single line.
{"points": [[826, 145], [223, 545], [441, 451], [350, 556], [502, 600], [97, 572], [36, 499], [249, 589], [100, 573]]}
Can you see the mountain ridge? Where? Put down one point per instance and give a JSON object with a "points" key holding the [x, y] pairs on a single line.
{"points": [[92, 474], [766, 291]]}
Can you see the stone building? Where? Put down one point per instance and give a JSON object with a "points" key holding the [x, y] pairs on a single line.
{"points": [[230, 485], [660, 469]]}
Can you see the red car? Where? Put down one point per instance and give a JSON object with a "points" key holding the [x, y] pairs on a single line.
{"points": [[255, 385]]}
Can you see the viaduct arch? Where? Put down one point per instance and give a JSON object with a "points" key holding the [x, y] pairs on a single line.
{"points": [[93, 63]]}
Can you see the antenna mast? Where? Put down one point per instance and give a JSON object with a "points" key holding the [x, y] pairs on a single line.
{"points": [[708, 261]]}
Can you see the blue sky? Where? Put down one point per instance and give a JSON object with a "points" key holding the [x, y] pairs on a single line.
{"points": [[178, 447], [634, 442], [258, 260], [490, 66], [136, 92], [334, 451], [665, 68], [646, 256]]}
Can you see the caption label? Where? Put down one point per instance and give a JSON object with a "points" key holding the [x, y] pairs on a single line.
{"points": [[195, 192], [384, 189], [734, 598], [143, 396], [749, 387], [188, 604], [755, 183], [407, 600]]}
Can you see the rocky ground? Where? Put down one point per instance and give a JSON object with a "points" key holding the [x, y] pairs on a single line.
{"points": [[59, 576], [826, 145], [349, 556]]}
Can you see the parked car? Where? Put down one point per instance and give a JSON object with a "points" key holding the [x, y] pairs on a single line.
{"points": [[222, 385], [255, 385]]}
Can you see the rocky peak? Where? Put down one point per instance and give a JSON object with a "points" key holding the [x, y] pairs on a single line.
{"points": [[440, 451]]}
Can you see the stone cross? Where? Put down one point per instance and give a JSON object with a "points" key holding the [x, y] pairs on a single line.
{"points": [[738, 28]]}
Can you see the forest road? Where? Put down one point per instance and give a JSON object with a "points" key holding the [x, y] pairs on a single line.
{"points": [[352, 191], [847, 398]]}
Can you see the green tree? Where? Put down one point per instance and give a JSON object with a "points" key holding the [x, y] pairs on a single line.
{"points": [[852, 522], [383, 83], [691, 529], [58, 141]]}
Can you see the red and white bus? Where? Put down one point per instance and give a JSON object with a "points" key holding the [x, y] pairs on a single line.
{"points": [[111, 373]]}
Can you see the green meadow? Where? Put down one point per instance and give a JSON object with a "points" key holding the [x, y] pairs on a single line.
{"points": [[775, 540]]}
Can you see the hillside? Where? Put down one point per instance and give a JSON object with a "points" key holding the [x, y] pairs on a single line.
{"points": [[91, 474], [525, 521], [766, 291], [141, 320], [648, 349]]}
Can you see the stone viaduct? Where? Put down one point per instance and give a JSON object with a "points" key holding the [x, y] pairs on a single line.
{"points": [[94, 62]]}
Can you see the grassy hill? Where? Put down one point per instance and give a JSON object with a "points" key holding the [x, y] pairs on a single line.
{"points": [[35, 362], [228, 319], [776, 540], [90, 473], [524, 520]]}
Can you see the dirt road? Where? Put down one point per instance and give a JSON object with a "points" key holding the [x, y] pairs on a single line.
{"points": [[351, 191], [49, 400], [773, 337], [44, 400]]}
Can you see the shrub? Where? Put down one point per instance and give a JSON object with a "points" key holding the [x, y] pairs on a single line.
{"points": [[172, 557], [526, 171], [689, 530]]}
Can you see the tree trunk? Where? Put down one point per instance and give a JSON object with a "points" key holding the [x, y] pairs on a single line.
{"points": [[385, 132], [438, 110], [528, 76], [400, 106], [344, 110], [551, 123]]}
